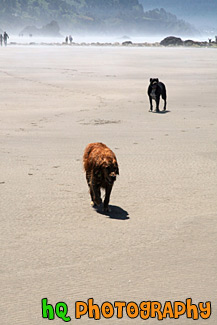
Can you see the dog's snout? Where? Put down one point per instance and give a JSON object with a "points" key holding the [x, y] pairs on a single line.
{"points": [[113, 176]]}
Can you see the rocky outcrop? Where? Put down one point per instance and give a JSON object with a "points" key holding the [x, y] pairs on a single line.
{"points": [[171, 41], [191, 43], [127, 43], [51, 29], [176, 41]]}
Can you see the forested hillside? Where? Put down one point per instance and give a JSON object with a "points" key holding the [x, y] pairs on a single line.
{"points": [[105, 16], [198, 12]]}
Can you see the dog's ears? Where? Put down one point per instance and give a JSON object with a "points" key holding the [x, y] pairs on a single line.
{"points": [[156, 79]]}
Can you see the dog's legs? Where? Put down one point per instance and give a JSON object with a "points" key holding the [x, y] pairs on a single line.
{"points": [[92, 197], [96, 195], [94, 190], [88, 178], [157, 104], [164, 96], [165, 103], [107, 197], [151, 106]]}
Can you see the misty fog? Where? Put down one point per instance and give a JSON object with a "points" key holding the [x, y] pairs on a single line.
{"points": [[108, 21]]}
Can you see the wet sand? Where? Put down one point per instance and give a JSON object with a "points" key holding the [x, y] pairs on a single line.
{"points": [[159, 241]]}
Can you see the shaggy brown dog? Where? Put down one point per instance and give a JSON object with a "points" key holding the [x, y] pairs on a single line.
{"points": [[101, 167]]}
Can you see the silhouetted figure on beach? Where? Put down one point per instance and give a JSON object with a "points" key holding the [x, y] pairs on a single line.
{"points": [[1, 39], [70, 39], [5, 38], [66, 39]]}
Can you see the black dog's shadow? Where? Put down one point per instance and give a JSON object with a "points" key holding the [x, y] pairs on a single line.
{"points": [[161, 112], [114, 213]]}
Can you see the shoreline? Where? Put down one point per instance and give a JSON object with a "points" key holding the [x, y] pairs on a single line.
{"points": [[188, 44]]}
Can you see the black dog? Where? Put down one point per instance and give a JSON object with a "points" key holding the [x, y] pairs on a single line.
{"points": [[155, 90]]}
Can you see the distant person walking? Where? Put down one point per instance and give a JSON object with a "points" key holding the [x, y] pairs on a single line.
{"points": [[70, 39], [66, 39], [5, 36], [1, 39]]}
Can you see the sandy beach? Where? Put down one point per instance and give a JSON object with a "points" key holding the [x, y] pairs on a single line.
{"points": [[159, 241]]}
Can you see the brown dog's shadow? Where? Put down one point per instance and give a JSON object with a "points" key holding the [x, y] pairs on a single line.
{"points": [[114, 213]]}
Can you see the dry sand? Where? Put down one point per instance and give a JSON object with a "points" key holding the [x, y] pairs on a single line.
{"points": [[159, 243]]}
